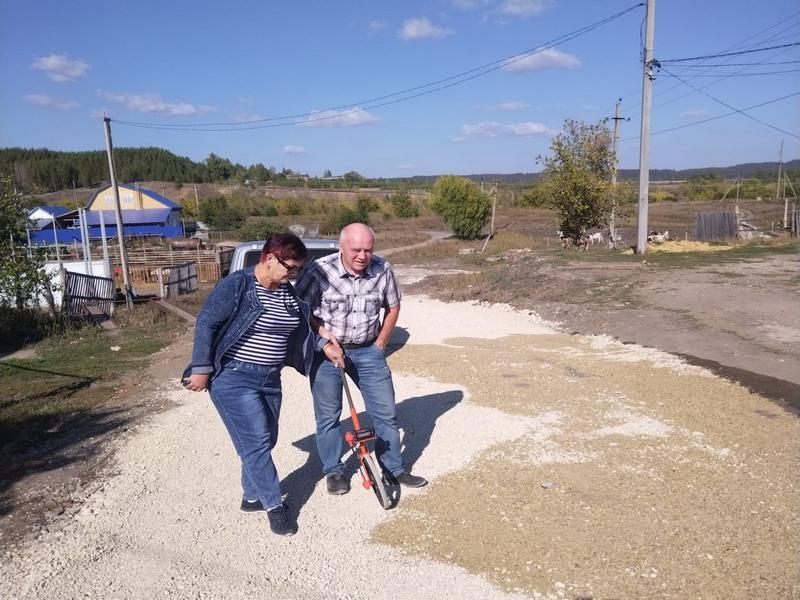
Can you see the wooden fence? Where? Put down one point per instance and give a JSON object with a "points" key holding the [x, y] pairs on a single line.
{"points": [[794, 222], [80, 290], [716, 226], [178, 280]]}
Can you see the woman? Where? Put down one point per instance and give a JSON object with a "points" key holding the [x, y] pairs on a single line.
{"points": [[251, 325]]}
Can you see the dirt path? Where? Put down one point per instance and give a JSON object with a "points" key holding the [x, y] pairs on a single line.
{"points": [[561, 467]]}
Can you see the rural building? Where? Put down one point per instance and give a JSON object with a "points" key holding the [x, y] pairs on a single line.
{"points": [[144, 213]]}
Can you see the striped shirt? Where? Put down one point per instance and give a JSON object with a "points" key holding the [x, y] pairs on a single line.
{"points": [[349, 305], [266, 340]]}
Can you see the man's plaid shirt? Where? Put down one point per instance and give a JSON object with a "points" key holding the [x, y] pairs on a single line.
{"points": [[349, 306]]}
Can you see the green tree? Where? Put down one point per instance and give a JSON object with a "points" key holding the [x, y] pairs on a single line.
{"points": [[461, 204], [402, 204], [327, 173], [353, 177], [21, 276], [259, 228], [219, 214], [576, 177]]}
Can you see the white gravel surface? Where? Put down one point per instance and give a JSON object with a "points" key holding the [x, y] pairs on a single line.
{"points": [[167, 524]]}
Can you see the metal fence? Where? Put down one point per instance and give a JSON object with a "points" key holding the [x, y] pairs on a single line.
{"points": [[81, 290], [178, 280], [716, 226]]}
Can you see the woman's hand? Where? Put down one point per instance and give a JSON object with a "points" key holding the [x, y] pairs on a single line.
{"points": [[197, 382]]}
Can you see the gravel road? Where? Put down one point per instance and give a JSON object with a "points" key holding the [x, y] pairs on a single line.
{"points": [[166, 523]]}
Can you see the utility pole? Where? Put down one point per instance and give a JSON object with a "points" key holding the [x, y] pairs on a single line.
{"points": [[75, 194], [644, 137], [612, 221], [780, 166], [196, 201], [123, 256]]}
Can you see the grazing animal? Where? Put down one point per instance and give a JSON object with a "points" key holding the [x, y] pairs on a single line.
{"points": [[658, 238], [596, 238]]}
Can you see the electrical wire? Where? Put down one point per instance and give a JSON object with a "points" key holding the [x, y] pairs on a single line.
{"points": [[677, 60], [728, 114], [774, 37], [371, 103], [725, 104], [726, 75]]}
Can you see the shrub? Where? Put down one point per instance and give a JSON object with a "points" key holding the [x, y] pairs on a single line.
{"points": [[260, 229], [402, 204], [461, 204]]}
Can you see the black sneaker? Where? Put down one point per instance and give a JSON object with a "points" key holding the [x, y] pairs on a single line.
{"points": [[279, 521], [337, 484], [409, 480], [251, 505]]}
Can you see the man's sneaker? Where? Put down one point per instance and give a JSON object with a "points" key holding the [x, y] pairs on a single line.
{"points": [[251, 505], [279, 521], [409, 480], [337, 484]]}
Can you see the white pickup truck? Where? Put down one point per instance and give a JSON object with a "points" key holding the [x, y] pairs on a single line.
{"points": [[248, 254]]}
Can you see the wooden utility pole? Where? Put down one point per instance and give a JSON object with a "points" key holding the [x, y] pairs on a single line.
{"points": [[612, 220], [123, 255], [644, 137], [196, 201], [780, 168]]}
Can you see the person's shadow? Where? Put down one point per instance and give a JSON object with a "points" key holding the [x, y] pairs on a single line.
{"points": [[417, 415], [399, 339]]}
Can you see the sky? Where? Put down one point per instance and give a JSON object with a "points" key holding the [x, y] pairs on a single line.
{"points": [[351, 85]]}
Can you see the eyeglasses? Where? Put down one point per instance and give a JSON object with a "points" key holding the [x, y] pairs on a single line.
{"points": [[289, 269]]}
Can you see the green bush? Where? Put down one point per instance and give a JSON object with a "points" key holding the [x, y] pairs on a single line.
{"points": [[461, 204], [402, 204], [260, 228]]}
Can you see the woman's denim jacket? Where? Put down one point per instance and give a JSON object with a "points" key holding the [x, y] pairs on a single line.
{"points": [[227, 314]]}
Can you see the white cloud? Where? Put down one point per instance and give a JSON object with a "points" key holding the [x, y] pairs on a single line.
{"points": [[351, 117], [377, 26], [152, 103], [472, 4], [294, 150], [524, 8], [47, 102], [459, 139], [493, 129], [421, 28], [507, 107], [245, 117], [695, 112], [59, 67], [549, 58]]}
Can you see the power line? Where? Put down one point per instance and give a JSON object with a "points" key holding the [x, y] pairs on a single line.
{"points": [[733, 112], [725, 104], [725, 76], [676, 60], [752, 64], [371, 103], [773, 37]]}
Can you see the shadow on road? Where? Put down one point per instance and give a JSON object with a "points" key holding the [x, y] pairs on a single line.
{"points": [[75, 440], [417, 415]]}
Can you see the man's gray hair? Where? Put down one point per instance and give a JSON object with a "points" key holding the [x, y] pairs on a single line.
{"points": [[341, 233]]}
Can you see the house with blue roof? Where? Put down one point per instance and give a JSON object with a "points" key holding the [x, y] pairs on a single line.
{"points": [[144, 213]]}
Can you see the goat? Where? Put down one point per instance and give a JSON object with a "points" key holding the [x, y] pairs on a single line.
{"points": [[596, 238], [658, 238]]}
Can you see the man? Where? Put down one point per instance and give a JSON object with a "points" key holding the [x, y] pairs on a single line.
{"points": [[346, 292]]}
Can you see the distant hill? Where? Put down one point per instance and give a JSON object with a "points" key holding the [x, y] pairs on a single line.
{"points": [[42, 170], [761, 170]]}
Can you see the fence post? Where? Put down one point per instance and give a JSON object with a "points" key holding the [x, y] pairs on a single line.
{"points": [[161, 283]]}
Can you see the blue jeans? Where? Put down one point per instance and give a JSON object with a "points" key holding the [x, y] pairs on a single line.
{"points": [[248, 398], [368, 369]]}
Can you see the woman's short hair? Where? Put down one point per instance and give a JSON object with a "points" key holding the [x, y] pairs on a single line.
{"points": [[286, 246]]}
